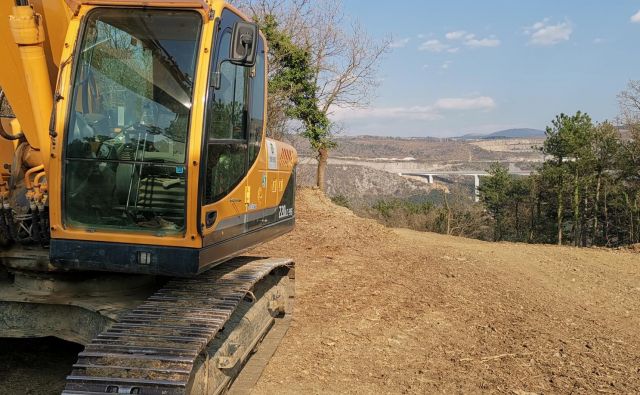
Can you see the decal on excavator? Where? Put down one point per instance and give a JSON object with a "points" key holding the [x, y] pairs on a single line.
{"points": [[284, 212], [272, 154]]}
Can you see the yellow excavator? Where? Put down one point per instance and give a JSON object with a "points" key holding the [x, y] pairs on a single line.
{"points": [[135, 171]]}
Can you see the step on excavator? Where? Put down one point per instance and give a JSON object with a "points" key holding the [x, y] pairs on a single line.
{"points": [[135, 172]]}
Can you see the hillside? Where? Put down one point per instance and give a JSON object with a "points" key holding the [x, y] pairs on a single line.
{"points": [[395, 311], [363, 185], [383, 310], [523, 133], [421, 149]]}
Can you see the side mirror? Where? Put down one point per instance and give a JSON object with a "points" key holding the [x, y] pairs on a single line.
{"points": [[244, 44]]}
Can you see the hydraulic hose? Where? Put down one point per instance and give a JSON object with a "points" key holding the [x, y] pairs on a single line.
{"points": [[45, 236], [8, 136], [8, 218], [27, 175], [35, 225], [4, 228]]}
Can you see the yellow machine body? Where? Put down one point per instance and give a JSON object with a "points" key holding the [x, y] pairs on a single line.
{"points": [[31, 51], [38, 76]]}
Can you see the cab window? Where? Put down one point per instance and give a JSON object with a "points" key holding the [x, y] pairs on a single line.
{"points": [[126, 141], [256, 122], [227, 118]]}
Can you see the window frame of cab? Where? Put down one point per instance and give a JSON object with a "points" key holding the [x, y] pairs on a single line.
{"points": [[223, 24], [77, 52]]}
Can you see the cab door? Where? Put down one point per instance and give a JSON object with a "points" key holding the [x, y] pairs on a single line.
{"points": [[257, 176], [226, 145]]}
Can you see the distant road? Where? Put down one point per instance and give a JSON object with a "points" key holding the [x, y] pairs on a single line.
{"points": [[419, 169], [413, 168], [517, 172]]}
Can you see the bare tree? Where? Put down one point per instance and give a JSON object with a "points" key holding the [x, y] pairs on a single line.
{"points": [[291, 15], [345, 58], [346, 63], [629, 100]]}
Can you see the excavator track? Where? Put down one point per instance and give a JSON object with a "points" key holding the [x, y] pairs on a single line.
{"points": [[170, 343]]}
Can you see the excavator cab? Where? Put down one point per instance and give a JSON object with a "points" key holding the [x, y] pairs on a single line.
{"points": [[159, 163], [125, 145]]}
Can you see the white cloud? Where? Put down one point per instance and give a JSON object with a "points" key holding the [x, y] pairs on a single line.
{"points": [[473, 103], [636, 17], [457, 35], [433, 46], [430, 112], [545, 34], [470, 39], [453, 50], [446, 65], [599, 40], [484, 42], [419, 113], [400, 43], [539, 25]]}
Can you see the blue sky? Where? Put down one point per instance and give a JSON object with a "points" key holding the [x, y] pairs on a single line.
{"points": [[479, 66]]}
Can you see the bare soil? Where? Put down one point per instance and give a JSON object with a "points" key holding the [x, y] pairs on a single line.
{"points": [[396, 311], [35, 366]]}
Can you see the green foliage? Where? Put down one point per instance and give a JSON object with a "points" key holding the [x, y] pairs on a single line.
{"points": [[296, 76], [341, 200], [586, 193], [461, 217], [494, 193], [568, 136], [385, 207]]}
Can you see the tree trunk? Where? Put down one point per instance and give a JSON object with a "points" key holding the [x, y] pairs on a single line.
{"points": [[631, 229], [517, 222], [560, 214], [576, 211], [584, 227], [323, 158], [535, 220], [605, 230], [596, 205], [635, 208], [532, 221], [446, 202]]}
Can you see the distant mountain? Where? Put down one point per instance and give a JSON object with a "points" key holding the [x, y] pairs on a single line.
{"points": [[506, 134]]}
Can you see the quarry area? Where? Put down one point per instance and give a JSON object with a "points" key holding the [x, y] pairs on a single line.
{"points": [[383, 310]]}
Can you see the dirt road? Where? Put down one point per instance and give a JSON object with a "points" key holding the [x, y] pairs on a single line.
{"points": [[396, 311]]}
